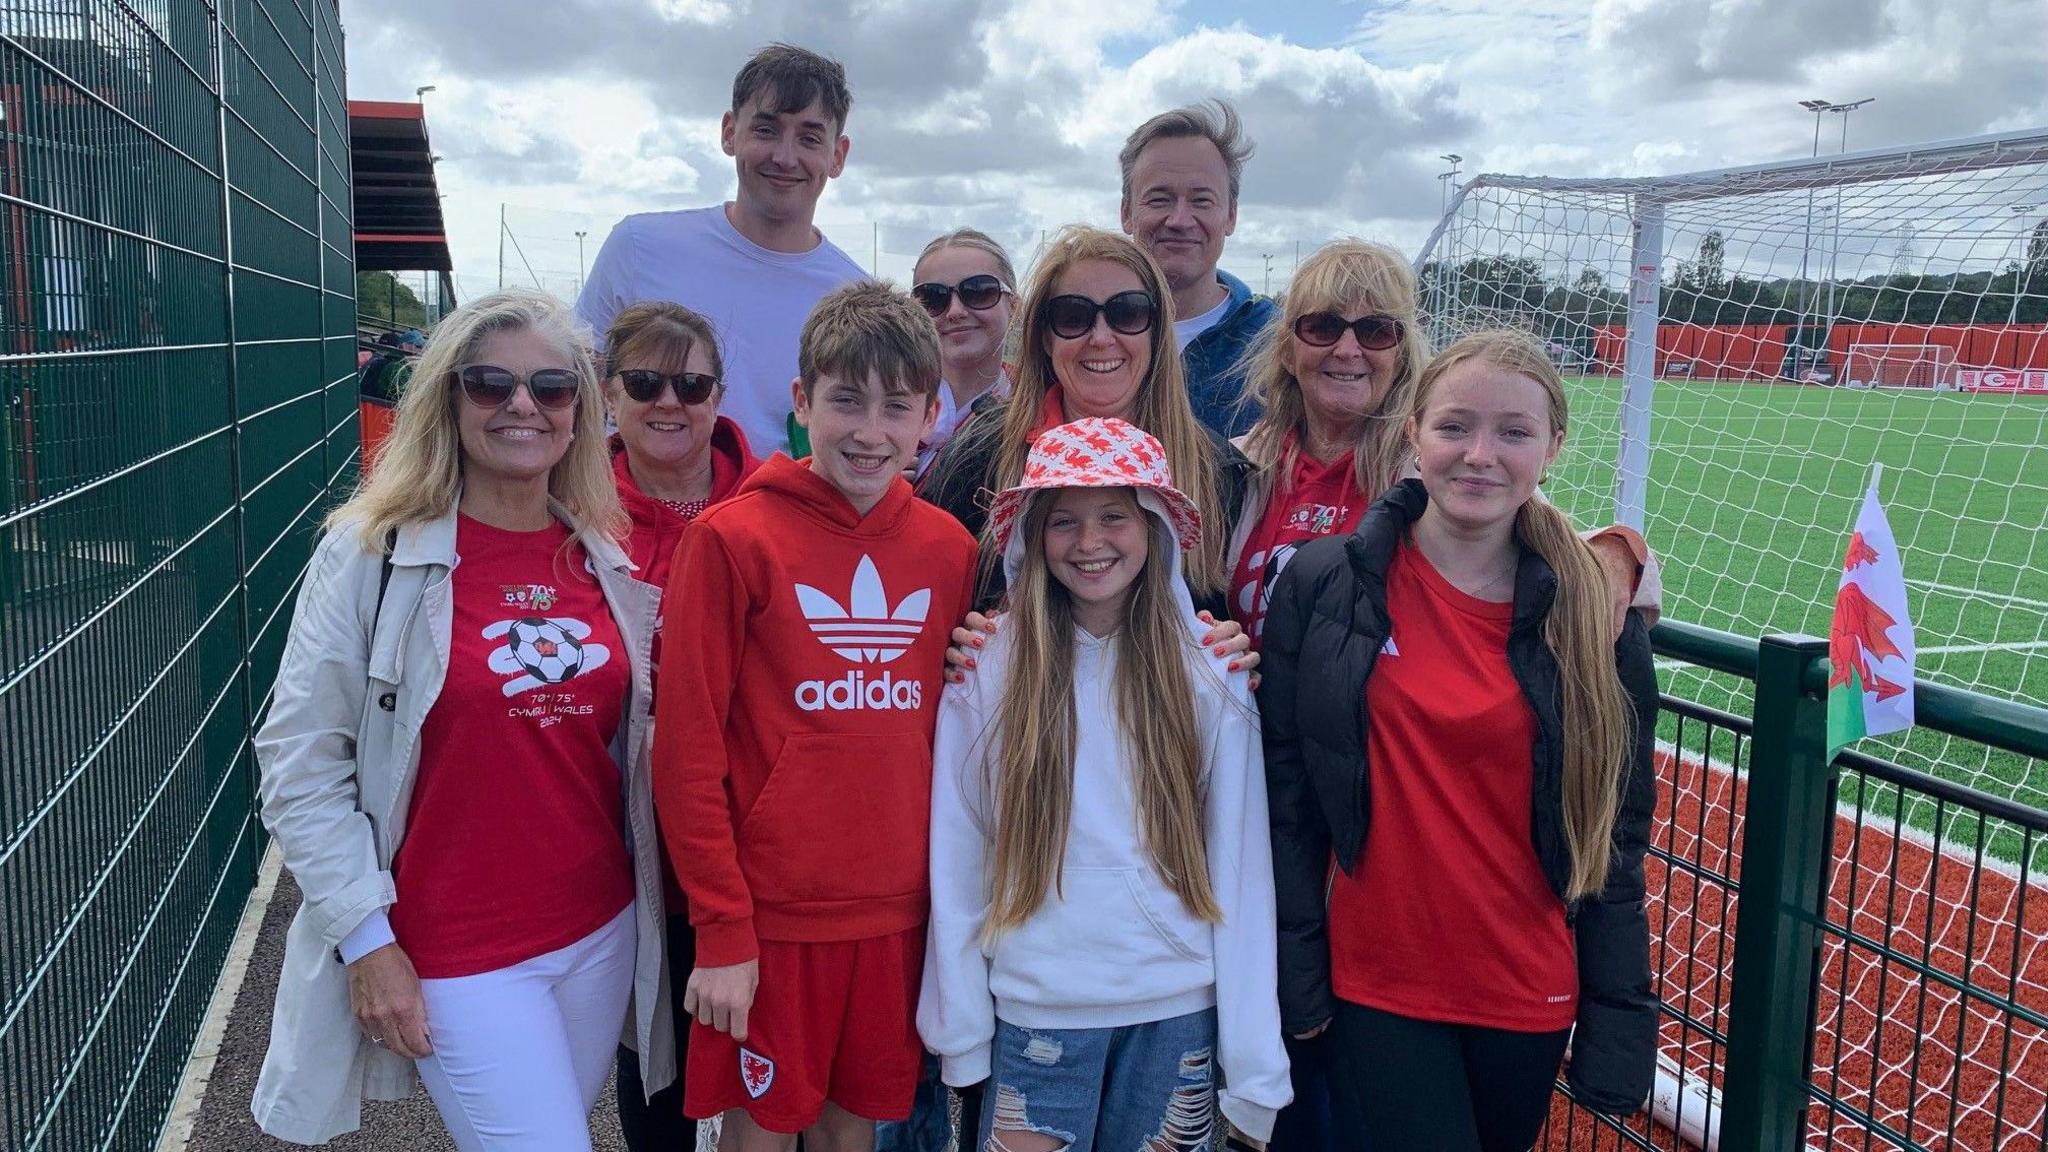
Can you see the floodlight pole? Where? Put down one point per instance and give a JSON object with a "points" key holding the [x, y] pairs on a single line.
{"points": [[580, 234], [1817, 107], [1835, 244]]}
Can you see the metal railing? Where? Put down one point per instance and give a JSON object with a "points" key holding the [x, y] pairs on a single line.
{"points": [[1851, 954], [177, 403]]}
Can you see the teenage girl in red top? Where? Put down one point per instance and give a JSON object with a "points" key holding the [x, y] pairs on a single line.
{"points": [[1459, 759]]}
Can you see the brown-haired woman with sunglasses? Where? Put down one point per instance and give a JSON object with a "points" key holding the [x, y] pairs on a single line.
{"points": [[673, 456], [458, 724], [1096, 340]]}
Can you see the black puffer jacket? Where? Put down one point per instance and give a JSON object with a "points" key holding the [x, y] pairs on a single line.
{"points": [[1324, 629], [960, 482]]}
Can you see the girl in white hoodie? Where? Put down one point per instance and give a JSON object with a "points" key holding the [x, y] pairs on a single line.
{"points": [[1102, 939]]}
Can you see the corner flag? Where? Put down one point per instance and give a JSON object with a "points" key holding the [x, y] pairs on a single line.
{"points": [[1870, 643]]}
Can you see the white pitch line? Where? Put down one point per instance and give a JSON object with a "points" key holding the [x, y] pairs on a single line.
{"points": [[1962, 591], [2014, 646]]}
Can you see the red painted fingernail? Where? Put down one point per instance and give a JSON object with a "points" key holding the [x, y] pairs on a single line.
{"points": [[1220, 651], [979, 642], [1234, 666], [971, 663]]}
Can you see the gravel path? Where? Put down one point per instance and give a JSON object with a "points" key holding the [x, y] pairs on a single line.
{"points": [[224, 1124]]}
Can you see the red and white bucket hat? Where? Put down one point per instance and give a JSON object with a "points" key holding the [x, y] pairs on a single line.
{"points": [[1098, 452]]}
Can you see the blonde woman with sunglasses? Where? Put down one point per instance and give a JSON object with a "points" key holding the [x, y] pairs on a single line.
{"points": [[965, 281], [452, 764]]}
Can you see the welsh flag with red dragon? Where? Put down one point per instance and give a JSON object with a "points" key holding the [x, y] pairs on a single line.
{"points": [[1870, 643]]}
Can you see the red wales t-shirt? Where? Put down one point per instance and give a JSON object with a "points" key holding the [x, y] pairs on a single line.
{"points": [[1317, 499], [515, 844], [1449, 917]]}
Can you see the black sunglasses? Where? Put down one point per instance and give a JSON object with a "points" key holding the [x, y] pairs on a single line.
{"points": [[1071, 317], [645, 385], [1322, 329], [977, 292], [489, 386]]}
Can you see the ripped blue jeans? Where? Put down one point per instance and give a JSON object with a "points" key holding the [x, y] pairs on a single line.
{"points": [[1143, 1088]]}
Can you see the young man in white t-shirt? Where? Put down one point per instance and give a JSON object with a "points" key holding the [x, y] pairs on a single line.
{"points": [[755, 265]]}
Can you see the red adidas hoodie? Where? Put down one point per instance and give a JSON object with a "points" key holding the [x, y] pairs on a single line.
{"points": [[656, 526], [794, 713]]}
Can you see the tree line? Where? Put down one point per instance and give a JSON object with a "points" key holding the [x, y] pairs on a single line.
{"points": [[1701, 291]]}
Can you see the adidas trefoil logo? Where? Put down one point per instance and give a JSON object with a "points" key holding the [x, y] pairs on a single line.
{"points": [[865, 630]]}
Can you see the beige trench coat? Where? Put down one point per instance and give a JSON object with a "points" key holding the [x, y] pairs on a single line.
{"points": [[338, 754]]}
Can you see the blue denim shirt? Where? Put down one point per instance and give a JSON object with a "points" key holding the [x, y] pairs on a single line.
{"points": [[1215, 380]]}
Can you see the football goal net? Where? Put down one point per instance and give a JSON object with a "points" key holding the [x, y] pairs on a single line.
{"points": [[1899, 366]]}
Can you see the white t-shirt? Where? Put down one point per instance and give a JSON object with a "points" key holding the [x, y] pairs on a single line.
{"points": [[1185, 331], [756, 300]]}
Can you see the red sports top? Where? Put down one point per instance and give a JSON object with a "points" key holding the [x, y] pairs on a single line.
{"points": [[793, 727], [515, 844], [1449, 916], [1317, 499], [656, 529]]}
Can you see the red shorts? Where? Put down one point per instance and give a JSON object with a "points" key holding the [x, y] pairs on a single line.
{"points": [[833, 1022]]}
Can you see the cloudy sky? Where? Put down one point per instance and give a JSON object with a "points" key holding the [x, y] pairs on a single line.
{"points": [[1007, 114]]}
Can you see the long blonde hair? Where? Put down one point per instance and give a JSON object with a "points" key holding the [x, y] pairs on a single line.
{"points": [[1161, 406], [1599, 721], [1033, 759], [418, 474], [1341, 276]]}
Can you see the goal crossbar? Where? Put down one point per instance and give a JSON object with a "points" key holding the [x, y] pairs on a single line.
{"points": [[1802, 174]]}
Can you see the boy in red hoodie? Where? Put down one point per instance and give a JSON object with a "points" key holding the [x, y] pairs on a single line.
{"points": [[807, 624]]}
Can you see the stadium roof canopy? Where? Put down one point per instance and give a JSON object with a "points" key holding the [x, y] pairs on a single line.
{"points": [[398, 206]]}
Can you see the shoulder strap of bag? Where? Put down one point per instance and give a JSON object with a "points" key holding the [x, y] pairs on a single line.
{"points": [[384, 576]]}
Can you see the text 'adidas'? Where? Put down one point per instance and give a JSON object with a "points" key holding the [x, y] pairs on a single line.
{"points": [[855, 691]]}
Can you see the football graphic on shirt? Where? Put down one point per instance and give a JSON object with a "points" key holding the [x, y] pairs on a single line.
{"points": [[543, 650], [1268, 566]]}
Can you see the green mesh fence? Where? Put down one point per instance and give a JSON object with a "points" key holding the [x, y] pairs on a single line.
{"points": [[177, 405]]}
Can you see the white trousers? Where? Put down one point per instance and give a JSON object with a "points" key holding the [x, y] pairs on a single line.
{"points": [[520, 1054]]}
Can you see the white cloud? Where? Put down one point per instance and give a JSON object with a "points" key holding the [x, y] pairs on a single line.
{"points": [[1008, 115]]}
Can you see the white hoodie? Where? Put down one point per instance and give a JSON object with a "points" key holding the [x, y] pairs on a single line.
{"points": [[1114, 946]]}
